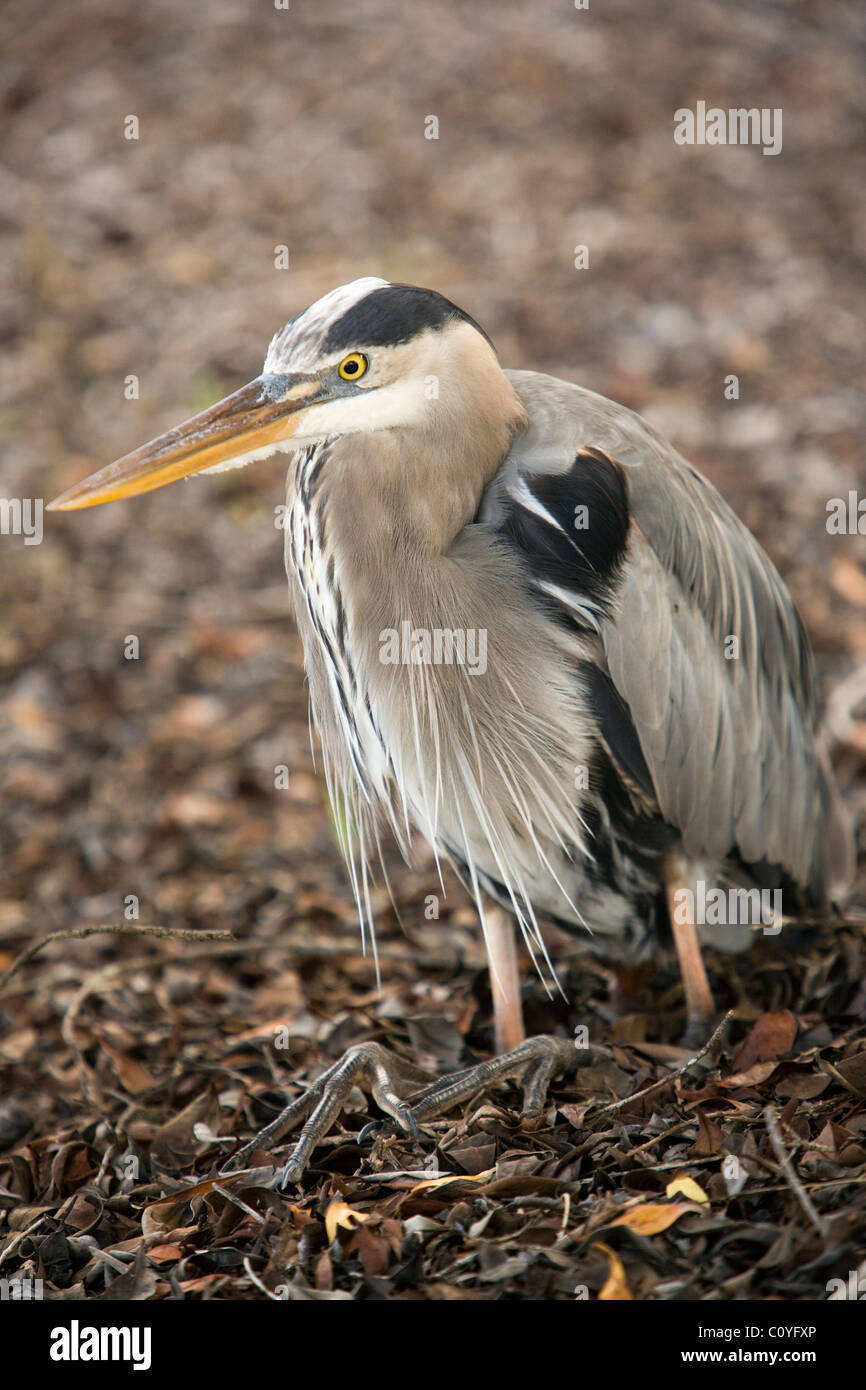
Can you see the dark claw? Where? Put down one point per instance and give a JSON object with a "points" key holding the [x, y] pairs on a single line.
{"points": [[289, 1175], [411, 1122], [371, 1128]]}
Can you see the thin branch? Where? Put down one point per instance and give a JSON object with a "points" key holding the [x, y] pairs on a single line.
{"points": [[125, 929], [787, 1167], [254, 1278], [671, 1076]]}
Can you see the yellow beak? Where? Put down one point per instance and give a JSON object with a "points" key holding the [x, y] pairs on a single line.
{"points": [[255, 419]]}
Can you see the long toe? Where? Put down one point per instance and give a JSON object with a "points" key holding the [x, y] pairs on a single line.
{"points": [[533, 1063], [384, 1075], [393, 1082]]}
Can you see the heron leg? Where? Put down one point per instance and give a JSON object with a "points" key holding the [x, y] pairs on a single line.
{"points": [[500, 940], [700, 1005]]}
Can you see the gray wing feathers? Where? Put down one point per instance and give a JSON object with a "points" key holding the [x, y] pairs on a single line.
{"points": [[730, 741]]}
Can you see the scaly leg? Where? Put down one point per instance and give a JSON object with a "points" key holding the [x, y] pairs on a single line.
{"points": [[501, 943], [700, 1005]]}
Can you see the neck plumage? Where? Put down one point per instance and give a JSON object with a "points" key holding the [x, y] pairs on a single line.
{"points": [[397, 595]]}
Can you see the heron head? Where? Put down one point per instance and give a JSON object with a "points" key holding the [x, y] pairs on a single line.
{"points": [[368, 356]]}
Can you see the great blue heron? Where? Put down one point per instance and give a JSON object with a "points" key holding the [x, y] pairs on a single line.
{"points": [[535, 633]]}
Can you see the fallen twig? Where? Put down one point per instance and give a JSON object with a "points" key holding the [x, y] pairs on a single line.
{"points": [[671, 1076], [788, 1170], [125, 929]]}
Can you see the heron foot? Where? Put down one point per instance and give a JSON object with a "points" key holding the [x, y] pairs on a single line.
{"points": [[368, 1065], [394, 1085], [534, 1063]]}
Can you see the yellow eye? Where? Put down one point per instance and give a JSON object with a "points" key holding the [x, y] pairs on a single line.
{"points": [[353, 366]]}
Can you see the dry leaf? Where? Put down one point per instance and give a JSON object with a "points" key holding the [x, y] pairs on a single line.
{"points": [[340, 1214], [803, 1085], [431, 1183], [753, 1077], [615, 1287], [853, 1071], [374, 1250], [651, 1218], [684, 1186], [770, 1037], [163, 1254], [134, 1077]]}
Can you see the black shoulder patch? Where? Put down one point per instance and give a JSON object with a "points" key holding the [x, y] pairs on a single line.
{"points": [[582, 547], [393, 314]]}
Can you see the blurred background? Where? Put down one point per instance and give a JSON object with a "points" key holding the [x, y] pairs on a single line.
{"points": [[304, 128]]}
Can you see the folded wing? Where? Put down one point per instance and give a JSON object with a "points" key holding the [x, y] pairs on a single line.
{"points": [[704, 681]]}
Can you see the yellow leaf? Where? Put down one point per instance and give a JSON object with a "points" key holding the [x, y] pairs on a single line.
{"points": [[683, 1186], [430, 1183], [615, 1287], [652, 1217], [341, 1214]]}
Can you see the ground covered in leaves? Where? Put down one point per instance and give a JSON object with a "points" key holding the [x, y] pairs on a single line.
{"points": [[152, 684], [741, 1176]]}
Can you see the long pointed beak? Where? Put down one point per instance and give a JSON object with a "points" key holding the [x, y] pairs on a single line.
{"points": [[252, 422]]}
